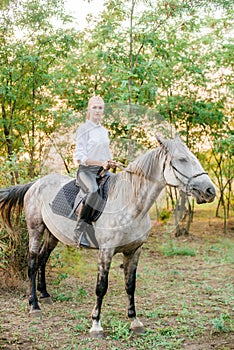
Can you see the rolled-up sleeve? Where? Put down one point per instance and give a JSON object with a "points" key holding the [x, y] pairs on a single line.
{"points": [[80, 153]]}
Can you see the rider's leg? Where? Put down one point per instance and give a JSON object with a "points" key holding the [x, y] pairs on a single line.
{"points": [[84, 227]]}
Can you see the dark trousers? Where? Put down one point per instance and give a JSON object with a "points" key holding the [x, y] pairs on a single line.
{"points": [[87, 180]]}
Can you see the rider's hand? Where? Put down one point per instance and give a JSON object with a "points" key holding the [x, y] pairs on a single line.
{"points": [[109, 164], [106, 165], [112, 164]]}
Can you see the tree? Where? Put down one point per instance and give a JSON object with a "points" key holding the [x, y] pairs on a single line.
{"points": [[29, 54]]}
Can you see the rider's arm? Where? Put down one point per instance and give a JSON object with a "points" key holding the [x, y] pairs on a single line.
{"points": [[81, 151]]}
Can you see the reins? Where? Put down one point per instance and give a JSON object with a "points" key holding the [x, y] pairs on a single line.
{"points": [[118, 165]]}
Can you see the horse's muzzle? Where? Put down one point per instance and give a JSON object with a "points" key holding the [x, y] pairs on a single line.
{"points": [[206, 195]]}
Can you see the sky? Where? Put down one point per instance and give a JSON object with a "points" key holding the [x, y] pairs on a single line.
{"points": [[80, 9]]}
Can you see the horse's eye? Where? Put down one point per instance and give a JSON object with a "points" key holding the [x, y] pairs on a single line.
{"points": [[183, 160]]}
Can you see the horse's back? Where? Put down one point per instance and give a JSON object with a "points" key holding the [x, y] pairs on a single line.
{"points": [[39, 199]]}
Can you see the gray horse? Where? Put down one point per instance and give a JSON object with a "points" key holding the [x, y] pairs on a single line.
{"points": [[122, 228]]}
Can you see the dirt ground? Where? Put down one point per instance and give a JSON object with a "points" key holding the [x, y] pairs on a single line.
{"points": [[184, 297]]}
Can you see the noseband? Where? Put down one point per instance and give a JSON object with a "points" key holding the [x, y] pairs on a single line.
{"points": [[185, 176]]}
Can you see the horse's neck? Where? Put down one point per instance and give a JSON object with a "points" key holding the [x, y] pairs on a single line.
{"points": [[148, 193], [147, 188]]}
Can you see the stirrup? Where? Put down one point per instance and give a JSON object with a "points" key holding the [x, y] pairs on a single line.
{"points": [[80, 234], [83, 242], [84, 235]]}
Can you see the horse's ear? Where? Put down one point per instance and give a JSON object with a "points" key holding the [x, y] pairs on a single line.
{"points": [[160, 140], [166, 144]]}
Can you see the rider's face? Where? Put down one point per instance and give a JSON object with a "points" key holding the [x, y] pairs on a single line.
{"points": [[95, 112]]}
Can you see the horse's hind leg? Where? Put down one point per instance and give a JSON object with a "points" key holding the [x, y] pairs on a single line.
{"points": [[35, 229], [130, 267], [47, 247]]}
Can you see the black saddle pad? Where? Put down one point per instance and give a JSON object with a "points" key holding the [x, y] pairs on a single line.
{"points": [[63, 203], [65, 199]]}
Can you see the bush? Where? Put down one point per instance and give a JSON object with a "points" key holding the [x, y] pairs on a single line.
{"points": [[13, 253]]}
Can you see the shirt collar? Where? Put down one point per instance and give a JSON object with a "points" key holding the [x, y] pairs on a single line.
{"points": [[93, 124]]}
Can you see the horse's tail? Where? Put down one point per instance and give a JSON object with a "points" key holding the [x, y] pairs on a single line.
{"points": [[12, 200]]}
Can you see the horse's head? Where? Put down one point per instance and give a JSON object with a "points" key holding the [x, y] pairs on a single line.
{"points": [[182, 169]]}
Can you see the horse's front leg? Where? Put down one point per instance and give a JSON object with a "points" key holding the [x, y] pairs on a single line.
{"points": [[104, 262], [130, 267]]}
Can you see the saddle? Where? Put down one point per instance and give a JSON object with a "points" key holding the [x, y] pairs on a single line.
{"points": [[70, 197]]}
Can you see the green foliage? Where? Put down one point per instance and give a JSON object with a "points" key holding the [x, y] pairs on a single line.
{"points": [[174, 56], [173, 295], [164, 214], [225, 249], [60, 278], [81, 292], [221, 165], [13, 252], [120, 330], [219, 323], [171, 248], [225, 146], [28, 78], [61, 297], [3, 248], [169, 56]]}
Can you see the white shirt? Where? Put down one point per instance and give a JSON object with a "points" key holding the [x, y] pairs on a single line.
{"points": [[92, 142]]}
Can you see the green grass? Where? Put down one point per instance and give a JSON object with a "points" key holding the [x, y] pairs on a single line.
{"points": [[173, 248], [184, 295]]}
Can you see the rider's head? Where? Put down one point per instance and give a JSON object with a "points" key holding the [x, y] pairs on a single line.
{"points": [[95, 109]]}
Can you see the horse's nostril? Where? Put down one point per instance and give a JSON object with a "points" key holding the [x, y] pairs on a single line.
{"points": [[210, 191]]}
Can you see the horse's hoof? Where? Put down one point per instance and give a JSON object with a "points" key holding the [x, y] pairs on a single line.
{"points": [[96, 331], [46, 300], [138, 330], [97, 334], [137, 327], [35, 313]]}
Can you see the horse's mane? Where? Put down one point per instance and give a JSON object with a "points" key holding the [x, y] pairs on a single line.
{"points": [[143, 165], [137, 174]]}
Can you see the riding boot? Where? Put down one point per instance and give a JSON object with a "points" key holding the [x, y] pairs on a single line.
{"points": [[84, 233]]}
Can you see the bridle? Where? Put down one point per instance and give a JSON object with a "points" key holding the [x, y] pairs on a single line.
{"points": [[177, 171], [185, 176]]}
